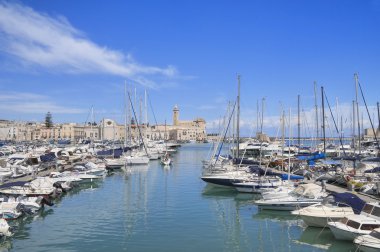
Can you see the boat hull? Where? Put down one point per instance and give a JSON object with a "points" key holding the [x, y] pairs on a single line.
{"points": [[342, 234]]}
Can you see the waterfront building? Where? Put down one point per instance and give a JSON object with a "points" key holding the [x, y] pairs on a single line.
{"points": [[368, 133], [107, 129]]}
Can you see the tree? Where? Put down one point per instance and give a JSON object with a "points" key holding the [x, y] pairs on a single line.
{"points": [[48, 120]]}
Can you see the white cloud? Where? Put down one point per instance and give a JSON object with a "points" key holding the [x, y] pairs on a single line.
{"points": [[37, 39], [29, 103]]}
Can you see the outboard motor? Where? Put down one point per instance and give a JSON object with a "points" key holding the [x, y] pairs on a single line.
{"points": [[46, 201]]}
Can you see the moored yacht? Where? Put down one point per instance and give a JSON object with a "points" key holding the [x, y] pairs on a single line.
{"points": [[370, 242], [304, 195], [353, 226], [333, 208]]}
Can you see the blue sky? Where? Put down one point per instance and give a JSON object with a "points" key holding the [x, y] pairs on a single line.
{"points": [[66, 56]]}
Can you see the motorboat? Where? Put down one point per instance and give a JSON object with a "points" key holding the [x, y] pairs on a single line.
{"points": [[165, 160], [30, 204], [93, 169], [136, 160], [26, 188], [332, 208], [258, 184], [369, 242], [304, 195], [114, 163], [278, 192], [5, 228], [355, 225], [10, 210]]}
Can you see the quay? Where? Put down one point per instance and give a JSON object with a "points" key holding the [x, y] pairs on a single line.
{"points": [[338, 189]]}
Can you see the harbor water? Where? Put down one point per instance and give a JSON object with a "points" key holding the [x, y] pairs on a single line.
{"points": [[156, 208]]}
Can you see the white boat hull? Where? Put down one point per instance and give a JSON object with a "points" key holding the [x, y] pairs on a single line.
{"points": [[343, 234]]}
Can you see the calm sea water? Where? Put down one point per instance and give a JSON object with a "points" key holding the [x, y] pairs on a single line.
{"points": [[164, 209]]}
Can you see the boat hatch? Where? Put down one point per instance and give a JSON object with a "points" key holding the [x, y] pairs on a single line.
{"points": [[367, 209]]}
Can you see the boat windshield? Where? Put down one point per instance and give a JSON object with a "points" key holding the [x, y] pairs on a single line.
{"points": [[369, 226], [376, 211], [367, 209], [354, 224], [375, 234]]}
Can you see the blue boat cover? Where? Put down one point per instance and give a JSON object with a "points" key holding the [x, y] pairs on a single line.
{"points": [[374, 170], [116, 153], [313, 156], [64, 141], [350, 199], [284, 176], [49, 157], [18, 183]]}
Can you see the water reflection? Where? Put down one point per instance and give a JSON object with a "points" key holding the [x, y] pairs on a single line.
{"points": [[283, 216], [227, 204], [323, 239], [5, 245]]}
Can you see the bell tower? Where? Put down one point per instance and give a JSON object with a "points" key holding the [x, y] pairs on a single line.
{"points": [[175, 115]]}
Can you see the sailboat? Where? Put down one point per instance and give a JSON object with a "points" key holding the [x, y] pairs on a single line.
{"points": [[165, 159], [137, 158]]}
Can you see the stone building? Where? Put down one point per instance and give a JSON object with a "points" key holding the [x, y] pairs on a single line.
{"points": [[107, 129]]}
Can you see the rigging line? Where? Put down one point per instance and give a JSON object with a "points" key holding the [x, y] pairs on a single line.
{"points": [[154, 115], [137, 124], [336, 128], [369, 116], [224, 137]]}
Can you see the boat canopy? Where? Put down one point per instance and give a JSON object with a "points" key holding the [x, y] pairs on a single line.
{"points": [[350, 199], [373, 170], [18, 183], [308, 190], [49, 157], [313, 156]]}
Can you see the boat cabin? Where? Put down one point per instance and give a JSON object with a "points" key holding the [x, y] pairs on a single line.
{"points": [[362, 224], [372, 210]]}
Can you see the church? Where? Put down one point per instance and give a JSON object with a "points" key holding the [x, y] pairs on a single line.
{"points": [[194, 130]]}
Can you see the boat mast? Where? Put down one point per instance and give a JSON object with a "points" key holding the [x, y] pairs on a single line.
{"points": [[146, 109], [323, 120], [316, 108], [290, 128], [125, 114], [262, 116], [233, 131], [299, 122], [353, 126], [238, 118], [378, 116], [283, 138], [257, 116], [92, 121], [137, 123], [357, 110]]}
